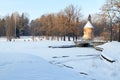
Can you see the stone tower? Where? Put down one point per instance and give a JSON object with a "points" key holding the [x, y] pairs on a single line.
{"points": [[88, 30]]}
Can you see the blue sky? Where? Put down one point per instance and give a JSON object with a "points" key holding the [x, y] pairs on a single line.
{"points": [[35, 8]]}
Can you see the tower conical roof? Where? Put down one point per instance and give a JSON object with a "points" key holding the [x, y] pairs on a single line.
{"points": [[88, 25]]}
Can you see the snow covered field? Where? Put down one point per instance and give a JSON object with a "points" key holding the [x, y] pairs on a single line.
{"points": [[24, 59]]}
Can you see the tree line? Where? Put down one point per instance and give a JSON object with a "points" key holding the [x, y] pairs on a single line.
{"points": [[14, 26], [67, 23], [59, 25]]}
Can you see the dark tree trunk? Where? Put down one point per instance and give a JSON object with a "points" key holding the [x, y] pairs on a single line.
{"points": [[76, 38], [68, 38], [73, 38], [64, 38], [111, 33]]}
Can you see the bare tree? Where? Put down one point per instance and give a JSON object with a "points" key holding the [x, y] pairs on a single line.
{"points": [[8, 28], [73, 14], [61, 22], [108, 9], [117, 9]]}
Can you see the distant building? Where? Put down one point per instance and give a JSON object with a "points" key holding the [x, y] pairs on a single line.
{"points": [[88, 30]]}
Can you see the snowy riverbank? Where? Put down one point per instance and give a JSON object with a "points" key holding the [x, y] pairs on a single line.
{"points": [[28, 60]]}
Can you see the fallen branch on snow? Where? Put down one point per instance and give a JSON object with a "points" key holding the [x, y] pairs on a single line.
{"points": [[64, 46], [111, 61], [83, 73]]}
